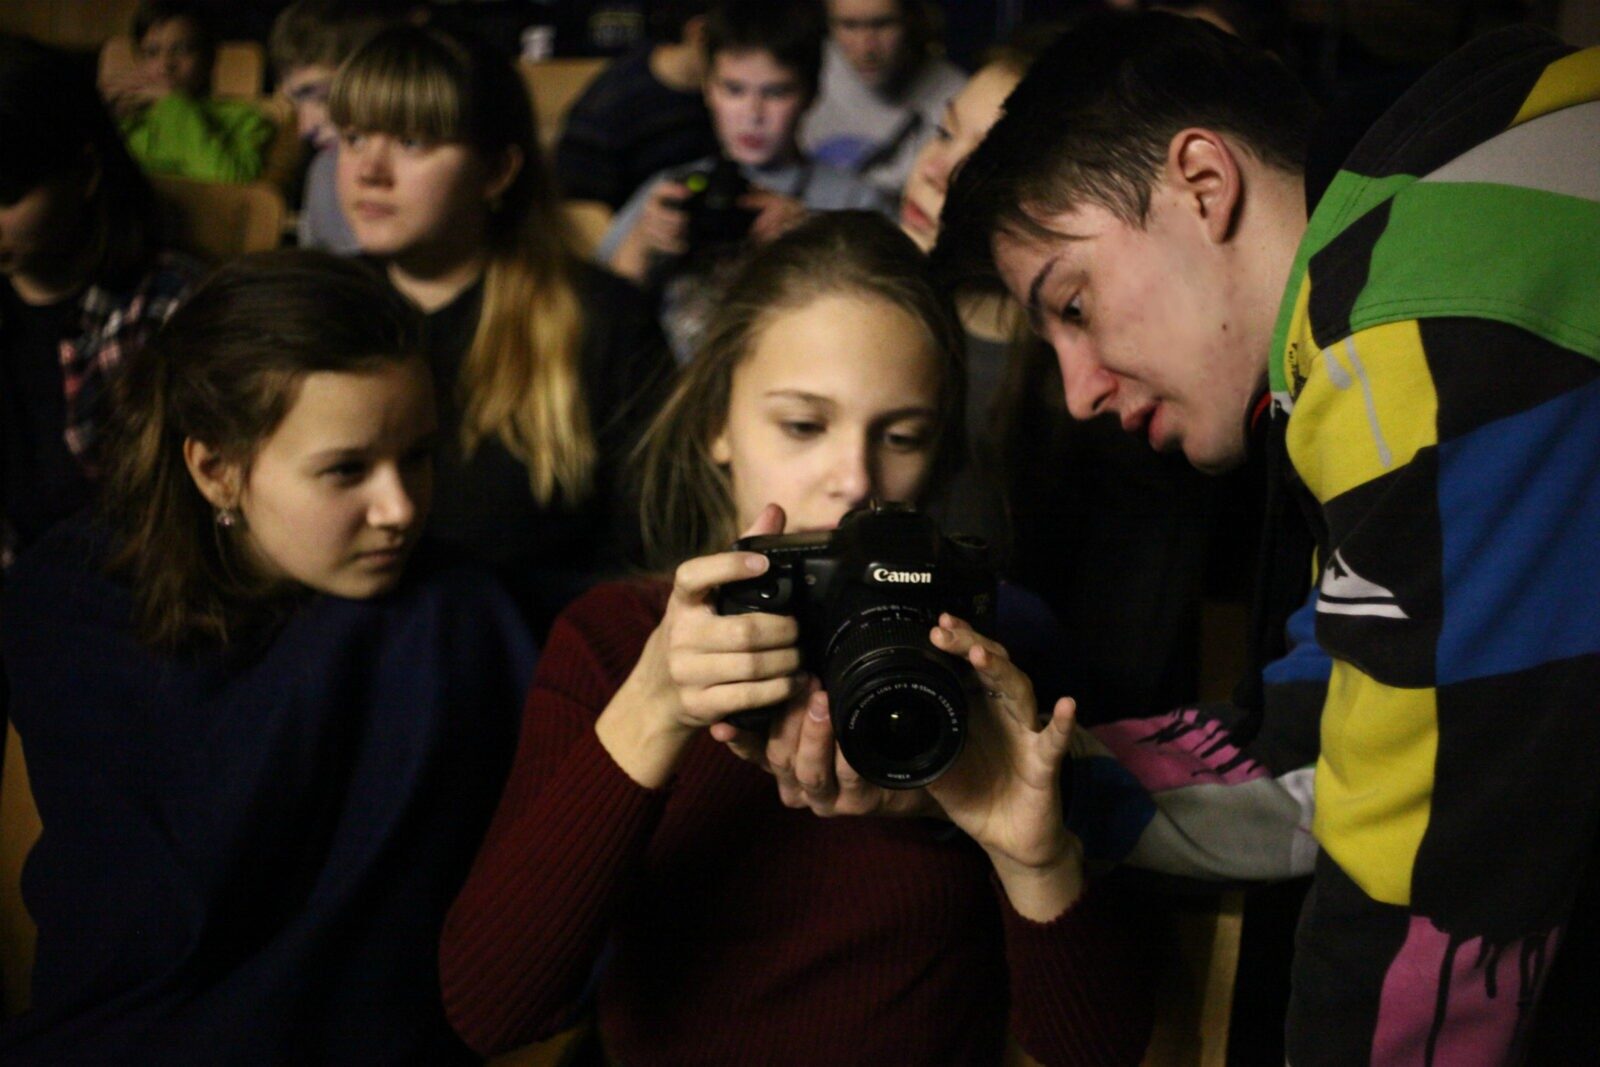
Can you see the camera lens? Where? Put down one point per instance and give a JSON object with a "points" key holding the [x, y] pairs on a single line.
{"points": [[899, 708], [902, 733]]}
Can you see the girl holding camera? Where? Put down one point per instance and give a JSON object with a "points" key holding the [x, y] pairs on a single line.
{"points": [[264, 740], [741, 929]]}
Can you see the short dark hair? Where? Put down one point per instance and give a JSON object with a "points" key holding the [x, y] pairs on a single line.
{"points": [[1092, 120], [54, 126], [152, 13], [791, 31], [311, 33], [666, 18], [923, 24]]}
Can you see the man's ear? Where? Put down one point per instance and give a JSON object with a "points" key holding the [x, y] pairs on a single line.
{"points": [[217, 479], [504, 172], [1203, 167]]}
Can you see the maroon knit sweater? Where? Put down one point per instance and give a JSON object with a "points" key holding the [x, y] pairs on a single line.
{"points": [[744, 931]]}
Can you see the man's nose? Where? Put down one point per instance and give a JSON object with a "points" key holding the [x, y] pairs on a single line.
{"points": [[1089, 386]]}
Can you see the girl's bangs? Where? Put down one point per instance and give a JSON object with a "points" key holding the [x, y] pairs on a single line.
{"points": [[403, 94]]}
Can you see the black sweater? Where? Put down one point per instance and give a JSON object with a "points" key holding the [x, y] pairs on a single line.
{"points": [[483, 504]]}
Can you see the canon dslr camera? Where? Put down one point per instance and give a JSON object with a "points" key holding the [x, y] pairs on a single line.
{"points": [[866, 595]]}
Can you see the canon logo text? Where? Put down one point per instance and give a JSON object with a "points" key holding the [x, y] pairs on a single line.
{"points": [[884, 574]]}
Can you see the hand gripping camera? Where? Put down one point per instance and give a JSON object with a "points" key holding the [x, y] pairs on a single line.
{"points": [[716, 219], [866, 595]]}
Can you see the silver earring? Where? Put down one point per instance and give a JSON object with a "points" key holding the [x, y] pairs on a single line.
{"points": [[227, 518]]}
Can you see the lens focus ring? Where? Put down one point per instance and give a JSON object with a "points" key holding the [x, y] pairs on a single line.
{"points": [[898, 704]]}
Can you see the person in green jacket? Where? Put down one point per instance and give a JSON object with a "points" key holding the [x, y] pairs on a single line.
{"points": [[171, 122]]}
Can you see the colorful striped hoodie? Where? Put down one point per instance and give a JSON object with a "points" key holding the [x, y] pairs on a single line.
{"points": [[1437, 356]]}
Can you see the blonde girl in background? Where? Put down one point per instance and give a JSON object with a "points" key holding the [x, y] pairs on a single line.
{"points": [[547, 367]]}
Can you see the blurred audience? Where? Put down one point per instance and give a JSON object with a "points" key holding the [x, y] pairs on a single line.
{"points": [[676, 233], [642, 114], [83, 283], [883, 89], [171, 122], [310, 38]]}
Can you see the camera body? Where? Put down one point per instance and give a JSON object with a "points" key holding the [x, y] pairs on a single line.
{"points": [[865, 595], [716, 218]]}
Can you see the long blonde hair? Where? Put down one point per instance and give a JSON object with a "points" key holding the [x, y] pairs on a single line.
{"points": [[686, 498], [520, 381]]}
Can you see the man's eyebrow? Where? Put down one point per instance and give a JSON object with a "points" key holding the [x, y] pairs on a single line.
{"points": [[1038, 284]]}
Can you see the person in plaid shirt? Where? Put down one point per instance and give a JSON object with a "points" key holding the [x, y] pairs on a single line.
{"points": [[83, 283]]}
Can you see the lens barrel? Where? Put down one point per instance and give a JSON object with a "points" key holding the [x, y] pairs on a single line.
{"points": [[898, 703]]}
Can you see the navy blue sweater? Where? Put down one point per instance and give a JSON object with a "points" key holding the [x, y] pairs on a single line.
{"points": [[247, 859]]}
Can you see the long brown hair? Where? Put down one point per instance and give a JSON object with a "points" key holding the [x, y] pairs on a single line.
{"points": [[686, 500], [520, 381], [224, 370]]}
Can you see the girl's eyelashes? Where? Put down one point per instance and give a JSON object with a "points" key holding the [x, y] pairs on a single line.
{"points": [[801, 429], [345, 472], [908, 440], [356, 138], [900, 437], [353, 470]]}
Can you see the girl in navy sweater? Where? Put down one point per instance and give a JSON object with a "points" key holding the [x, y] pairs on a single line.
{"points": [[263, 734]]}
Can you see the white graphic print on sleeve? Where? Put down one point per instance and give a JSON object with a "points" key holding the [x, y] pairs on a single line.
{"points": [[1344, 592]]}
